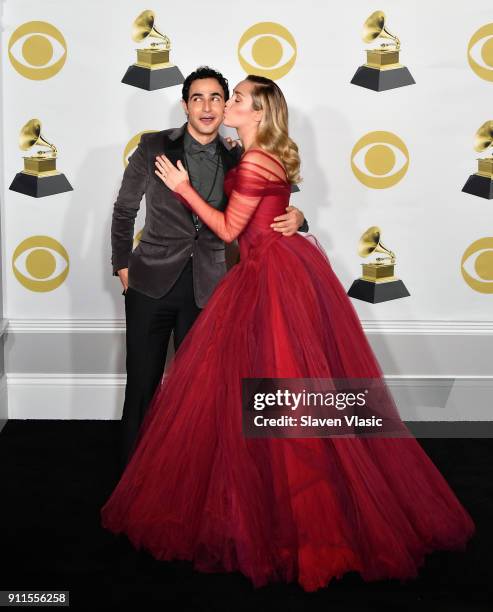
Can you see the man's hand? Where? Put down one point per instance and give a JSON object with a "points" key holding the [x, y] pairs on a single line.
{"points": [[289, 223], [123, 274]]}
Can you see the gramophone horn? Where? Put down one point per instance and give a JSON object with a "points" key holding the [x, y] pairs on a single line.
{"points": [[484, 136], [370, 243], [374, 27], [30, 135], [143, 27]]}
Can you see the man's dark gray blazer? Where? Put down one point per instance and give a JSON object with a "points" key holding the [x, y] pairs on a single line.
{"points": [[169, 236]]}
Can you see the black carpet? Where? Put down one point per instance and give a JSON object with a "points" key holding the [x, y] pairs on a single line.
{"points": [[56, 475]]}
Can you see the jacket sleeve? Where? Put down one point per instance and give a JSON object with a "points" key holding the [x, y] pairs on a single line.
{"points": [[304, 227], [126, 207]]}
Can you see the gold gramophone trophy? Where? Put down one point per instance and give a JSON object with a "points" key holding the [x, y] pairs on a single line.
{"points": [[382, 70], [153, 69], [40, 177], [481, 183], [378, 283]]}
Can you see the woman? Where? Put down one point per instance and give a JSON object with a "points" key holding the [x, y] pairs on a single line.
{"points": [[276, 509]]}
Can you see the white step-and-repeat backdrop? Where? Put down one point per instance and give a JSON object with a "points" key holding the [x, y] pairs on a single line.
{"points": [[397, 159]]}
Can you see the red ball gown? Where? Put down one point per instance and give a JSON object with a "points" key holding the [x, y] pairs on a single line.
{"points": [[301, 510]]}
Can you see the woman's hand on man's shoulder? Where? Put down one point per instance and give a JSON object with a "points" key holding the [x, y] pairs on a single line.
{"points": [[232, 142]]}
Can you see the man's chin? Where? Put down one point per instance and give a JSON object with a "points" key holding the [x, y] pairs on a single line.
{"points": [[205, 130], [209, 129]]}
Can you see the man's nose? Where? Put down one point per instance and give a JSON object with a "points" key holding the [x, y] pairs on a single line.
{"points": [[207, 104]]}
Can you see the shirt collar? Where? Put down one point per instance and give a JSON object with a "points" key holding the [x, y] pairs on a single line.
{"points": [[192, 146]]}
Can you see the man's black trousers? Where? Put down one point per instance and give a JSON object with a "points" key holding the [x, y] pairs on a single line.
{"points": [[150, 322]]}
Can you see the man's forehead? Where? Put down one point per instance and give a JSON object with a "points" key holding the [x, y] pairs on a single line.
{"points": [[205, 86]]}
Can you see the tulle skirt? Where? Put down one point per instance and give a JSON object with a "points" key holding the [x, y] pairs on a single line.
{"points": [[303, 510]]}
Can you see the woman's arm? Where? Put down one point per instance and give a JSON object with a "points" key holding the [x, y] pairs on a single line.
{"points": [[228, 224], [240, 207]]}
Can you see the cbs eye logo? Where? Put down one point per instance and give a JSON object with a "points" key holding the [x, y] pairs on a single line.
{"points": [[379, 159], [480, 56], [40, 263], [132, 145], [267, 49], [37, 43], [478, 272]]}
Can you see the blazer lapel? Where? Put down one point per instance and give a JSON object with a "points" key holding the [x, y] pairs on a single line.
{"points": [[174, 143]]}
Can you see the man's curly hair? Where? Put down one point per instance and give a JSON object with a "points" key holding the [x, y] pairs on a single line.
{"points": [[204, 72]]}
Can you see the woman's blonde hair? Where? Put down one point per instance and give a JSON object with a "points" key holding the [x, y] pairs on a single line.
{"points": [[272, 132]]}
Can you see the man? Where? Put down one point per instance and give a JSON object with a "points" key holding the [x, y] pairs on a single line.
{"points": [[171, 274]]}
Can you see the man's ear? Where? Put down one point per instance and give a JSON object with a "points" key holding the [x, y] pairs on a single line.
{"points": [[185, 106]]}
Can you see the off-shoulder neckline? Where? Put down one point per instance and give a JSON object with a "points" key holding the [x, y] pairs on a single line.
{"points": [[265, 153], [270, 157]]}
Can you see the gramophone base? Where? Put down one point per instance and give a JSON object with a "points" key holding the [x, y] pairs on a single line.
{"points": [[148, 79], [480, 186], [377, 292], [382, 80], [40, 186]]}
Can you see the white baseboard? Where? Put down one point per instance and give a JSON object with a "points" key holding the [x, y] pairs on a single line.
{"points": [[384, 326], [65, 396], [46, 396]]}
